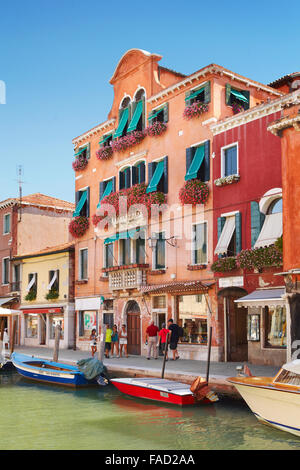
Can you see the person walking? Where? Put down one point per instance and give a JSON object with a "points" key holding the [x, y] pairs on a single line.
{"points": [[108, 336], [115, 341], [174, 328], [151, 338], [93, 343], [123, 341], [163, 338]]}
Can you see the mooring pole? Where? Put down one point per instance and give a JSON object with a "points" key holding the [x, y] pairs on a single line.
{"points": [[13, 336], [165, 356], [102, 343], [56, 343], [208, 354]]}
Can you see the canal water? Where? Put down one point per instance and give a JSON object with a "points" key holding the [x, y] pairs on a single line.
{"points": [[35, 416]]}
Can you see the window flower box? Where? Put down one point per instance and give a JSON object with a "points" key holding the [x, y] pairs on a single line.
{"points": [[52, 294], [122, 143], [223, 265], [104, 153], [194, 192], [195, 110], [227, 180], [31, 295], [258, 258], [237, 108], [196, 267], [156, 128], [79, 163], [78, 226]]}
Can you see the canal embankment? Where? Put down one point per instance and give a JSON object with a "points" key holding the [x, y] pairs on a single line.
{"points": [[181, 370]]}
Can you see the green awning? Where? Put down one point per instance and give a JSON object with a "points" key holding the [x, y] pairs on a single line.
{"points": [[239, 95], [152, 116], [121, 236], [106, 192], [194, 94], [80, 204], [122, 123], [196, 163], [80, 151], [136, 116], [156, 177], [104, 139], [111, 239]]}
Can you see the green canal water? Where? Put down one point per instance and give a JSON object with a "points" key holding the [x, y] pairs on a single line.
{"points": [[35, 416]]}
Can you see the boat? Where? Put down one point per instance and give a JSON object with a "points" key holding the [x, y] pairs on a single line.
{"points": [[163, 390], [274, 401], [42, 370]]}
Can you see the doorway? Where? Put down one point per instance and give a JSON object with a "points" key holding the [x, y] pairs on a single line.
{"points": [[133, 327]]}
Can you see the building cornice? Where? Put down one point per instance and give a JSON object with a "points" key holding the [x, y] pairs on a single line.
{"points": [[255, 113], [7, 203], [210, 69], [95, 130], [131, 158], [285, 122]]}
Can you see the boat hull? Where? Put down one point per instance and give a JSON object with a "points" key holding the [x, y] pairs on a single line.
{"points": [[275, 407]]}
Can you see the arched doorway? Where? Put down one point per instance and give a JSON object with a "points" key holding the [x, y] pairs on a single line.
{"points": [[133, 327]]}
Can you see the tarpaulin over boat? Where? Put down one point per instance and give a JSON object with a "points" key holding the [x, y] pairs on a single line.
{"points": [[91, 368]]}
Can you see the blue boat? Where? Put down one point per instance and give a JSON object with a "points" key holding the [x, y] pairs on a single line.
{"points": [[42, 370]]}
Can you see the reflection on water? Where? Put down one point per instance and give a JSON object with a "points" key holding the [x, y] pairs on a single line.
{"points": [[36, 416]]}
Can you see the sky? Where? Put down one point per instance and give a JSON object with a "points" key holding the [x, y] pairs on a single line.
{"points": [[57, 57]]}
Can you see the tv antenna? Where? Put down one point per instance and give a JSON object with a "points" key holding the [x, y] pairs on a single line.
{"points": [[20, 182]]}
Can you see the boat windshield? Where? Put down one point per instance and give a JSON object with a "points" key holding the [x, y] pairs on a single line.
{"points": [[288, 377]]}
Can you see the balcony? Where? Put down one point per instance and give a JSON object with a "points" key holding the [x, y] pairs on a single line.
{"points": [[127, 277]]}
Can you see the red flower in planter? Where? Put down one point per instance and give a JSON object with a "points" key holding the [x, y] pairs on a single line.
{"points": [[80, 163], [78, 226], [104, 153], [194, 192], [122, 143], [195, 110], [156, 128]]}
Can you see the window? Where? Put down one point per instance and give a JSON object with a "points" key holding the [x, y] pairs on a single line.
{"points": [[271, 229], [200, 243], [201, 94], [237, 96], [87, 321], [137, 122], [139, 245], [105, 189], [192, 317], [31, 325], [125, 178], [82, 201], [53, 322], [198, 162], [53, 285], [275, 327], [6, 224], [125, 251], [159, 301], [160, 252], [83, 264], [108, 255], [124, 117], [108, 312], [158, 176], [159, 115], [16, 277], [229, 235], [106, 140], [138, 173], [5, 271], [31, 287], [83, 152], [229, 160]]}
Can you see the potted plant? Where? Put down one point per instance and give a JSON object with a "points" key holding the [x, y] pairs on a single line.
{"points": [[104, 153], [195, 110], [52, 294], [156, 128], [194, 192], [79, 163], [122, 143], [78, 226], [31, 295]]}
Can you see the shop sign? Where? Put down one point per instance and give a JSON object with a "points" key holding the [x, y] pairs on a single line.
{"points": [[234, 281]]}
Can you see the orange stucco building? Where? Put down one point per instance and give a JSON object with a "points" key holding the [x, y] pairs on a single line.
{"points": [[167, 273]]}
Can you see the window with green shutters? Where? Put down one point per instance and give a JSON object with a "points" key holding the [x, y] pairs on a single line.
{"points": [[200, 94], [257, 221], [159, 115], [138, 173], [125, 178], [136, 122], [160, 252], [105, 140], [108, 255], [82, 203], [198, 162], [199, 243], [234, 95], [158, 176], [83, 151]]}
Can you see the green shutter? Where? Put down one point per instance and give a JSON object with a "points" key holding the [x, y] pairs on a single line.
{"points": [[80, 151], [107, 191], [194, 94], [159, 170], [196, 163], [80, 204], [136, 116], [238, 232], [227, 93], [239, 95], [166, 112], [104, 139], [207, 94], [257, 220], [122, 123], [153, 115], [221, 223]]}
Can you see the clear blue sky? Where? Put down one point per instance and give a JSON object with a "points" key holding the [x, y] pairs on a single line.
{"points": [[57, 56]]}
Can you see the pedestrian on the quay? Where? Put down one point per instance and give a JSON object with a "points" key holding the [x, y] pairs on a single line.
{"points": [[93, 343], [123, 341], [151, 338], [108, 336], [115, 341], [175, 334], [163, 338]]}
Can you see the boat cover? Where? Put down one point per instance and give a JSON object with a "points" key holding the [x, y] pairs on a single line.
{"points": [[293, 366], [91, 367]]}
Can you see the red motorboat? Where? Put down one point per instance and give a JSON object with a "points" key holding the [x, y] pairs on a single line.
{"points": [[163, 390]]}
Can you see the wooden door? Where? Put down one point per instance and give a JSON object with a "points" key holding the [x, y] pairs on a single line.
{"points": [[134, 333]]}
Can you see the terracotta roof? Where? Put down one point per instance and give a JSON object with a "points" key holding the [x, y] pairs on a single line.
{"points": [[178, 286], [38, 199], [48, 250], [285, 78]]}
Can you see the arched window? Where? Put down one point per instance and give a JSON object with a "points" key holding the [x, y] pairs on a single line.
{"points": [[137, 122], [275, 206], [124, 117], [270, 205]]}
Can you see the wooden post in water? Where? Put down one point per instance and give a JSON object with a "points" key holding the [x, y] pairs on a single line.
{"points": [[165, 356], [208, 354], [2, 329], [102, 343], [56, 343], [13, 336]]}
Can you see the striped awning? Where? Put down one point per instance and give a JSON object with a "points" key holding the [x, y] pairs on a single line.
{"points": [[262, 298]]}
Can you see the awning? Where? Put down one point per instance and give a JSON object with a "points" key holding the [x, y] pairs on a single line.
{"points": [[136, 116], [152, 116], [104, 139], [262, 298], [5, 312], [225, 236], [178, 287], [36, 311], [271, 230], [239, 95], [80, 151], [122, 123], [6, 300], [121, 236], [156, 177], [80, 204], [194, 94], [106, 192], [196, 163]]}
